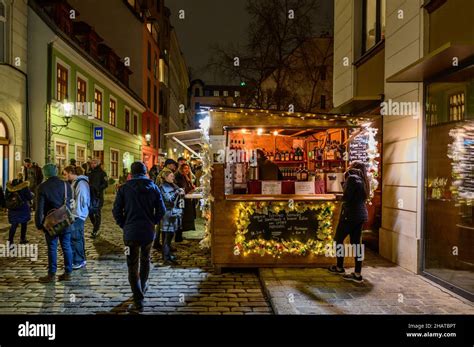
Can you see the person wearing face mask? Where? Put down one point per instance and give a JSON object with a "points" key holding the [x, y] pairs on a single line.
{"points": [[353, 216]]}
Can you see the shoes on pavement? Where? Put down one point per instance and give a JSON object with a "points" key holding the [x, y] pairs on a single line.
{"points": [[48, 278], [170, 262], [138, 305], [335, 269], [353, 277], [64, 277], [23, 242], [79, 266]]}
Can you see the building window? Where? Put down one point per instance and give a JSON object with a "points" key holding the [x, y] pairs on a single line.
{"points": [[114, 161], [98, 155], [207, 93], [225, 93], [127, 120], [197, 92], [216, 93], [135, 124], [98, 104], [162, 105], [3, 29], [80, 155], [148, 93], [155, 68], [237, 93], [456, 107], [155, 99], [148, 56], [61, 155], [322, 73], [373, 23], [113, 112], [323, 102], [61, 82], [81, 94]]}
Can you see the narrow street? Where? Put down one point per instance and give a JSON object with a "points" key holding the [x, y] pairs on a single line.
{"points": [[192, 288]]}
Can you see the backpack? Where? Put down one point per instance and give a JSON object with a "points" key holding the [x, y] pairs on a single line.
{"points": [[94, 201], [14, 201]]}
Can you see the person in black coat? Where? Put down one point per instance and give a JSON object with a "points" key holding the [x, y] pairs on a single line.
{"points": [[97, 183], [353, 216], [138, 208], [22, 213], [51, 194], [184, 181]]}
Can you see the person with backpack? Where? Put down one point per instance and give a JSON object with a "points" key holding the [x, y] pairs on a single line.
{"points": [[53, 195], [138, 207], [174, 202], [98, 183], [18, 196], [80, 210]]}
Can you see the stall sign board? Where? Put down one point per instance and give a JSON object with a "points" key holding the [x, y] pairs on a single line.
{"points": [[283, 226], [304, 188], [271, 187], [358, 148]]}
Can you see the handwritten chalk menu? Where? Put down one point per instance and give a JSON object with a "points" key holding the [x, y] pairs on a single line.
{"points": [[358, 148], [287, 226]]}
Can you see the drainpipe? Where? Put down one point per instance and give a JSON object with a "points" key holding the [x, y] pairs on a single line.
{"points": [[48, 102]]}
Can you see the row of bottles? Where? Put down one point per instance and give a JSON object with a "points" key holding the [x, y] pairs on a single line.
{"points": [[240, 152], [293, 155], [300, 174], [333, 150]]}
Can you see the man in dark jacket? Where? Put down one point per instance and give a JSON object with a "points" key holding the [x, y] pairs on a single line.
{"points": [[98, 183], [51, 196], [138, 208]]}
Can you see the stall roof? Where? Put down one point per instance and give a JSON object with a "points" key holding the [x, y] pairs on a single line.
{"points": [[434, 63], [189, 139]]}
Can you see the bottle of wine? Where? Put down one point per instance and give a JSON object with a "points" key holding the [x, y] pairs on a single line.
{"points": [[304, 174], [287, 156], [292, 155]]}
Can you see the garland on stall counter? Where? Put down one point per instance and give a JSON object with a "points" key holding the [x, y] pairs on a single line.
{"points": [[205, 182], [373, 164], [317, 246]]}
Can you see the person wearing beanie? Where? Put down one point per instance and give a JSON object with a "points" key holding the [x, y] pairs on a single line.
{"points": [[138, 208], [51, 196]]}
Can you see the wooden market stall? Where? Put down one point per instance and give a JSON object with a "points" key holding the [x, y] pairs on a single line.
{"points": [[290, 220]]}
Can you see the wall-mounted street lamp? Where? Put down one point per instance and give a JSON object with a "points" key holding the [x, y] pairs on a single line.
{"points": [[66, 110], [148, 138]]}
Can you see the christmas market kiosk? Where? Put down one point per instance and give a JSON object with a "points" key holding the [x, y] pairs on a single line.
{"points": [[285, 217]]}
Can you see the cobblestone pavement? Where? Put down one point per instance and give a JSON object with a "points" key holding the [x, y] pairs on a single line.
{"points": [[102, 287], [387, 289]]}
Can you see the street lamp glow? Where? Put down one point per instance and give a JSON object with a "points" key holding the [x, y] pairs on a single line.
{"points": [[275, 133], [67, 107], [148, 137]]}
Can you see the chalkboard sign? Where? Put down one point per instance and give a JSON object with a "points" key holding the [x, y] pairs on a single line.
{"points": [[358, 148], [300, 226]]}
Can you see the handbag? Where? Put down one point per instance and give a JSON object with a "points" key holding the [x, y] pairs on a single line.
{"points": [[59, 219]]}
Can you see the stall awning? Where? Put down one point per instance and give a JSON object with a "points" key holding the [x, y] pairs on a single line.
{"points": [[359, 104], [439, 60], [189, 139]]}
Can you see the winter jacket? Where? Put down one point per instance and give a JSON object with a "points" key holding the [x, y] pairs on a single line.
{"points": [[138, 207], [98, 183], [21, 214], [82, 197], [171, 198], [189, 213], [51, 196], [354, 197]]}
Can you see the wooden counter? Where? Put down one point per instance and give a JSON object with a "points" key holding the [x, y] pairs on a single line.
{"points": [[224, 229]]}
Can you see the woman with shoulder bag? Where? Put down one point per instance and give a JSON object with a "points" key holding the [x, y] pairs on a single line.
{"points": [[353, 216], [18, 195], [171, 222]]}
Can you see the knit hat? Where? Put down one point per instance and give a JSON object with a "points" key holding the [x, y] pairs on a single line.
{"points": [[138, 168], [170, 161], [50, 170]]}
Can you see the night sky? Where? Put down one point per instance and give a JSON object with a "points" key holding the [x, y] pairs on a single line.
{"points": [[209, 22]]}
